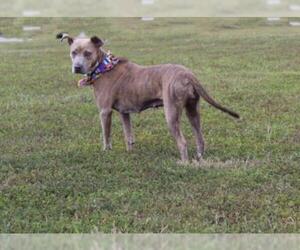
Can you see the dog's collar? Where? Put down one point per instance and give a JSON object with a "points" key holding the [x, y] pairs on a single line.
{"points": [[108, 63]]}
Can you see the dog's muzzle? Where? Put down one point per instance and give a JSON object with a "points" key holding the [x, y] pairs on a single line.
{"points": [[78, 70]]}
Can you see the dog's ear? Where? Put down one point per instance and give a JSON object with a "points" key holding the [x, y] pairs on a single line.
{"points": [[62, 36], [97, 41]]}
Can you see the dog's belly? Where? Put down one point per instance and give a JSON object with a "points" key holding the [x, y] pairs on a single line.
{"points": [[154, 103], [125, 109]]}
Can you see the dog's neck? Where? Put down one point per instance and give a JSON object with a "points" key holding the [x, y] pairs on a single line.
{"points": [[105, 63], [100, 58]]}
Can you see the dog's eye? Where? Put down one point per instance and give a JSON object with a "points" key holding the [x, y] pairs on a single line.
{"points": [[87, 53], [74, 53]]}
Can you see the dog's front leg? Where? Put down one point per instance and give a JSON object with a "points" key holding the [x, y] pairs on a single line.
{"points": [[105, 117], [129, 138]]}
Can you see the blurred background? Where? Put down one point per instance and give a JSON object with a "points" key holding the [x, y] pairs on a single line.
{"points": [[157, 8]]}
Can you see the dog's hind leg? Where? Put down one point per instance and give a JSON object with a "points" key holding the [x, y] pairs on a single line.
{"points": [[105, 116], [129, 138], [194, 118], [173, 115]]}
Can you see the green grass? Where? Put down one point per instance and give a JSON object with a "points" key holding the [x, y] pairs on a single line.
{"points": [[54, 176]]}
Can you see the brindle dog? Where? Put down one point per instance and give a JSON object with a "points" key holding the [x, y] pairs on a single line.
{"points": [[131, 88]]}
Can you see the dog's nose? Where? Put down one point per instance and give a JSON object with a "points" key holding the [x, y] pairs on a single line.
{"points": [[77, 69]]}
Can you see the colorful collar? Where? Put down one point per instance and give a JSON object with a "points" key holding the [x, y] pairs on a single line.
{"points": [[108, 63]]}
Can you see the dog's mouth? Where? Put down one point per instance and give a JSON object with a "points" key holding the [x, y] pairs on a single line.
{"points": [[78, 69]]}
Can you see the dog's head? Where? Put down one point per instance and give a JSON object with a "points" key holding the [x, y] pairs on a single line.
{"points": [[84, 52]]}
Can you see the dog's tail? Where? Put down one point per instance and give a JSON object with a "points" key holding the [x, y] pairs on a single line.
{"points": [[202, 92]]}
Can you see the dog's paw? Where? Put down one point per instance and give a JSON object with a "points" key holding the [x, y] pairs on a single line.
{"points": [[107, 147], [182, 163], [196, 162]]}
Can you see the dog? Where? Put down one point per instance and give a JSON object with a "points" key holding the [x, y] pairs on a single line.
{"points": [[130, 88]]}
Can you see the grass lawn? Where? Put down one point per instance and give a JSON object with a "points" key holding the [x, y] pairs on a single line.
{"points": [[54, 176]]}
